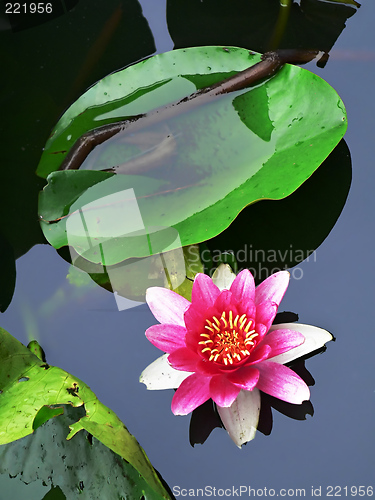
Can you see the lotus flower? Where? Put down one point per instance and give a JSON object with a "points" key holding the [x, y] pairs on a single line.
{"points": [[222, 346]]}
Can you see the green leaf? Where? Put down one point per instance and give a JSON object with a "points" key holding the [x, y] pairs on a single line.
{"points": [[45, 414], [260, 143], [36, 349], [79, 468], [27, 384]]}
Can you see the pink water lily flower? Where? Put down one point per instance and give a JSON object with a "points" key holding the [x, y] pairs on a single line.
{"points": [[222, 346]]}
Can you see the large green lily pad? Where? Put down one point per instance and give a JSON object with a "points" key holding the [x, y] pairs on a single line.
{"points": [[28, 386], [197, 169], [81, 468]]}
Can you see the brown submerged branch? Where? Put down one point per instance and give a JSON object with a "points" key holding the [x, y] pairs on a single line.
{"points": [[271, 62]]}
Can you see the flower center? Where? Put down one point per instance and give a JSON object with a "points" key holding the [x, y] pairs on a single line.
{"points": [[227, 340]]}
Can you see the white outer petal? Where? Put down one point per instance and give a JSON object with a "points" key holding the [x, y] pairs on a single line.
{"points": [[160, 375], [223, 277], [241, 418], [315, 338]]}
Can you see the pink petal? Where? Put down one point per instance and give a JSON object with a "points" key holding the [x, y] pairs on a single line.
{"points": [[208, 368], [193, 392], [283, 340], [261, 330], [166, 305], [223, 302], [222, 391], [243, 287], [167, 338], [194, 322], [281, 382], [241, 418], [266, 312], [259, 354], [245, 377], [184, 359], [273, 288], [204, 292], [249, 309]]}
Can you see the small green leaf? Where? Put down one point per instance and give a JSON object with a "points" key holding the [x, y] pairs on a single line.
{"points": [[46, 413], [36, 349]]}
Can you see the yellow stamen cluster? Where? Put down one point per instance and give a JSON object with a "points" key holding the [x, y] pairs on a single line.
{"points": [[227, 340]]}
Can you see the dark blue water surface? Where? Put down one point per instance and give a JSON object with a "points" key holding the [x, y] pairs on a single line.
{"points": [[86, 335]]}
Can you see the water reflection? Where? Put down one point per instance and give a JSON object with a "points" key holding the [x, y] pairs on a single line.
{"points": [[205, 418]]}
